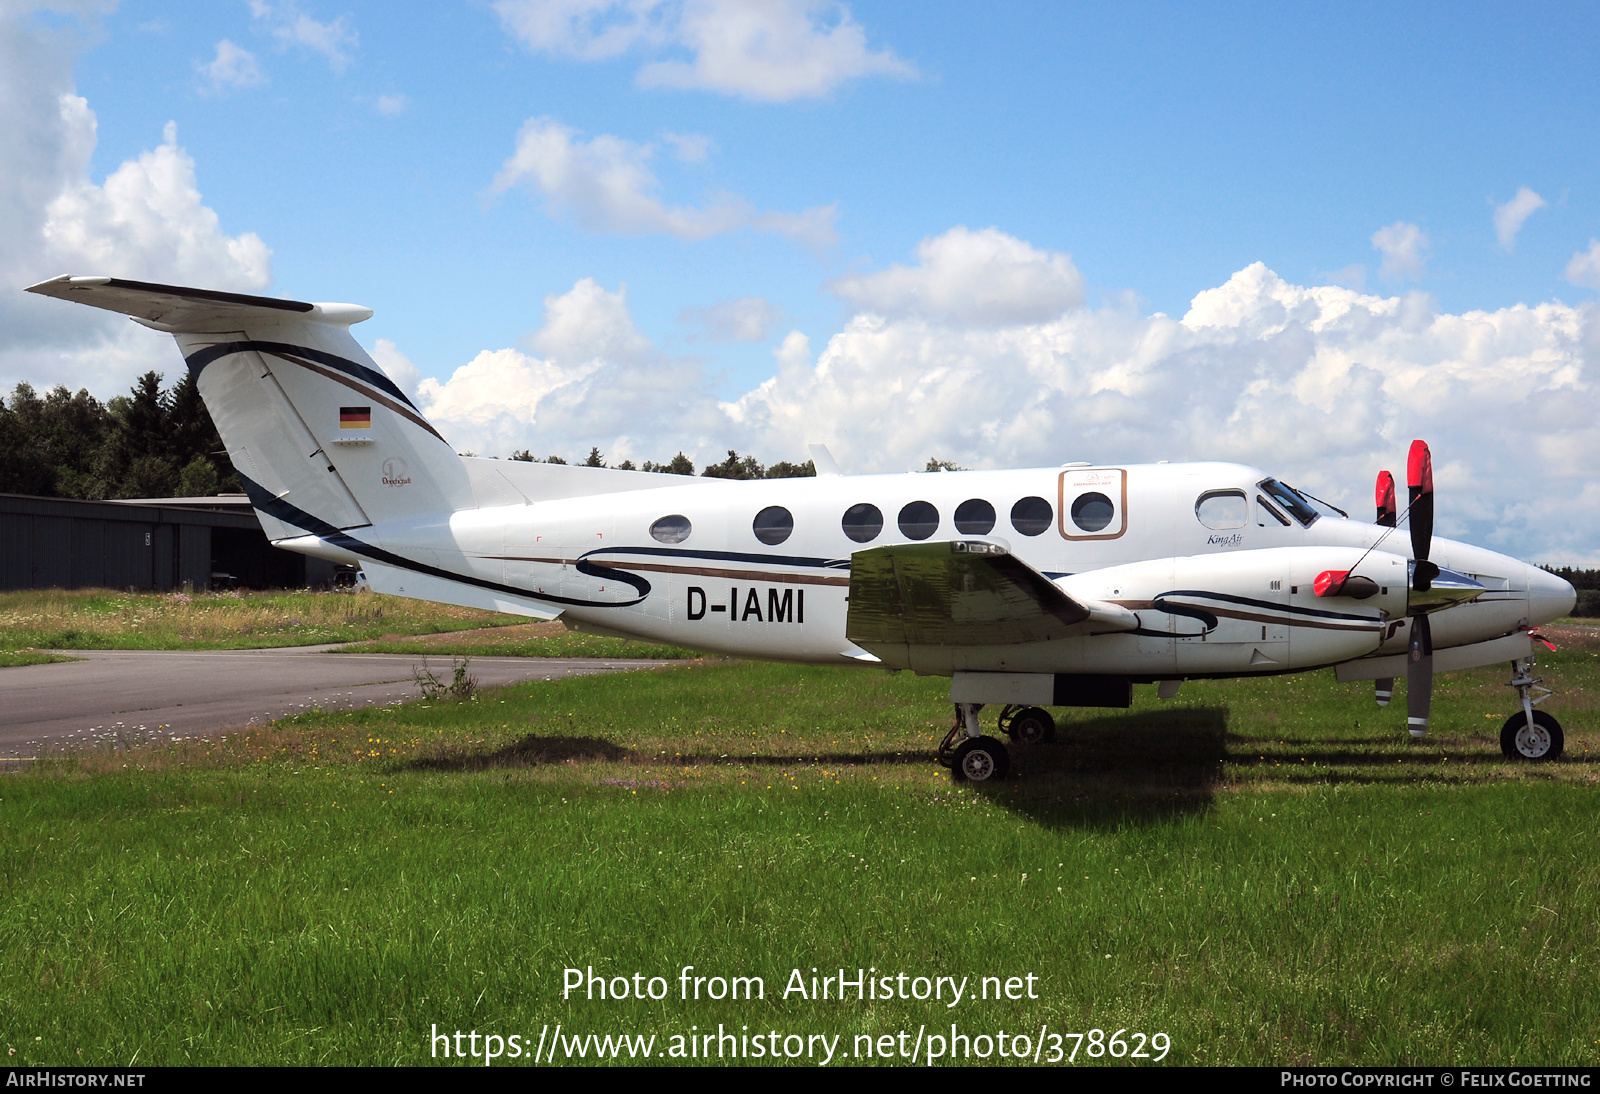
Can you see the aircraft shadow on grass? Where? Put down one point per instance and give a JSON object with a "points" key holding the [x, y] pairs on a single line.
{"points": [[1118, 768], [1109, 770]]}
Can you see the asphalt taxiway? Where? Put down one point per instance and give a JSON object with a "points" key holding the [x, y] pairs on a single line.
{"points": [[119, 695]]}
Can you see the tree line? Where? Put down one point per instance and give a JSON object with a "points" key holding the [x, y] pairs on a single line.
{"points": [[150, 443], [734, 467], [161, 443], [1587, 584]]}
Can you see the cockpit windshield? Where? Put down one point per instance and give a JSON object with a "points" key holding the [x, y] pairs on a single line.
{"points": [[1291, 500]]}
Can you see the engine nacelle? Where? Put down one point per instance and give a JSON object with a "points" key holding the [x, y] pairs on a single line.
{"points": [[1254, 611]]}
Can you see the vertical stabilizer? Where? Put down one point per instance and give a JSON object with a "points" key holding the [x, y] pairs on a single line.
{"points": [[323, 439]]}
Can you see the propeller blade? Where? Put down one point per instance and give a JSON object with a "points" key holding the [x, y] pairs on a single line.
{"points": [[1387, 512], [1419, 677], [1419, 480], [1384, 687]]}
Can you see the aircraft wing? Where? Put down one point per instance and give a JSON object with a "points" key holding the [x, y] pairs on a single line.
{"points": [[964, 593]]}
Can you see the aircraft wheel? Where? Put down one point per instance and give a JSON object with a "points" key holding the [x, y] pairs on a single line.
{"points": [[1032, 727], [1541, 742], [980, 759]]}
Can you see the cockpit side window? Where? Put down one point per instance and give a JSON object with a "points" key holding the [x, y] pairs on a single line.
{"points": [[1221, 509], [1264, 508], [1288, 499]]}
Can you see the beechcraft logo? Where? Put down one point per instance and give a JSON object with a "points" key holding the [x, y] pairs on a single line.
{"points": [[395, 472], [355, 417]]}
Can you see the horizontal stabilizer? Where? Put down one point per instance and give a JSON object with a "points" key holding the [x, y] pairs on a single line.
{"points": [[175, 309], [964, 593]]}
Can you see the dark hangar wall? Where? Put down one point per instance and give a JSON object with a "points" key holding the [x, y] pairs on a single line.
{"points": [[61, 543]]}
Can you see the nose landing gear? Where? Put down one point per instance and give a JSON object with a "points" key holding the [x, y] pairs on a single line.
{"points": [[1530, 734]]}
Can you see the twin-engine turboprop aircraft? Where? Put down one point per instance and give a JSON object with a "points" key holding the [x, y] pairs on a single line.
{"points": [[1060, 586]]}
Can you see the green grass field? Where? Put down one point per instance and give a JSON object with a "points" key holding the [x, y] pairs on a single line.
{"points": [[105, 619], [1267, 872]]}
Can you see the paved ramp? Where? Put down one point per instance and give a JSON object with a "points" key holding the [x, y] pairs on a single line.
{"points": [[114, 694]]}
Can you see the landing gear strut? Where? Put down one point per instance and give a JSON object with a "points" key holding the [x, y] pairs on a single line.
{"points": [[1027, 725], [1530, 734], [968, 754]]}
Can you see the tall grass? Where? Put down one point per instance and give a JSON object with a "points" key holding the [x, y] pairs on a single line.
{"points": [[106, 619]]}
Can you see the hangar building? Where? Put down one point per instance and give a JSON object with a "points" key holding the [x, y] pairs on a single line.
{"points": [[148, 543]]}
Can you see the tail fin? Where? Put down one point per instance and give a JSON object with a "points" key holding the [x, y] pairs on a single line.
{"points": [[321, 438]]}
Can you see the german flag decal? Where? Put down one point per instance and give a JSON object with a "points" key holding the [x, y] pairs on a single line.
{"points": [[355, 417]]}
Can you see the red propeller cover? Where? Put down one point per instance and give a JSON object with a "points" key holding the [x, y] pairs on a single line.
{"points": [[1419, 468], [1388, 512], [1330, 582]]}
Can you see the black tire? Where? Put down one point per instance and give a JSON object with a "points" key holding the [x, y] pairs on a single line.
{"points": [[1032, 727], [980, 759], [1540, 745]]}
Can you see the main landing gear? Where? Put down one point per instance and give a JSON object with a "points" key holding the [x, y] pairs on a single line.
{"points": [[970, 755], [973, 757], [1530, 734], [1028, 725]]}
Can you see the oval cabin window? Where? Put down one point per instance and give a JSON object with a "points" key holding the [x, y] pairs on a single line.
{"points": [[862, 522], [974, 517], [919, 520], [773, 525], [1092, 511], [673, 529], [1032, 516]]}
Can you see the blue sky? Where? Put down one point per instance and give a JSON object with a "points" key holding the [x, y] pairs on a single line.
{"points": [[1162, 146], [459, 166]]}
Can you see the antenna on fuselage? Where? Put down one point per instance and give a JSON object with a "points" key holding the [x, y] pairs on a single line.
{"points": [[823, 460]]}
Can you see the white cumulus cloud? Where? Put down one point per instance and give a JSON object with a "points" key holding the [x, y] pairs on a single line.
{"points": [[1584, 269], [768, 50], [292, 27], [146, 221], [592, 379], [396, 365], [690, 147], [984, 278], [1509, 218], [148, 214], [1323, 386], [745, 319], [607, 184], [233, 66], [1404, 248]]}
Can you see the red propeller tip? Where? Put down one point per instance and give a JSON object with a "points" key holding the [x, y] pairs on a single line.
{"points": [[1419, 468], [1388, 513]]}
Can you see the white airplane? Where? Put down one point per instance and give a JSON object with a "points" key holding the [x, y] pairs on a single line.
{"points": [[1060, 586]]}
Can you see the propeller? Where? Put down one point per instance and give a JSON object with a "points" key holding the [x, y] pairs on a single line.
{"points": [[1388, 517], [1432, 589], [1387, 513], [1419, 657]]}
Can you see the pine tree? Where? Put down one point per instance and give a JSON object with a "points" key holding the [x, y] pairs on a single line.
{"points": [[735, 468]]}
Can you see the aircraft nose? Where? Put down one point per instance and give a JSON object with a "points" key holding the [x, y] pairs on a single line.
{"points": [[1549, 597]]}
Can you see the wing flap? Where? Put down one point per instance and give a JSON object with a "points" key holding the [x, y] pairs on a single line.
{"points": [[964, 593]]}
